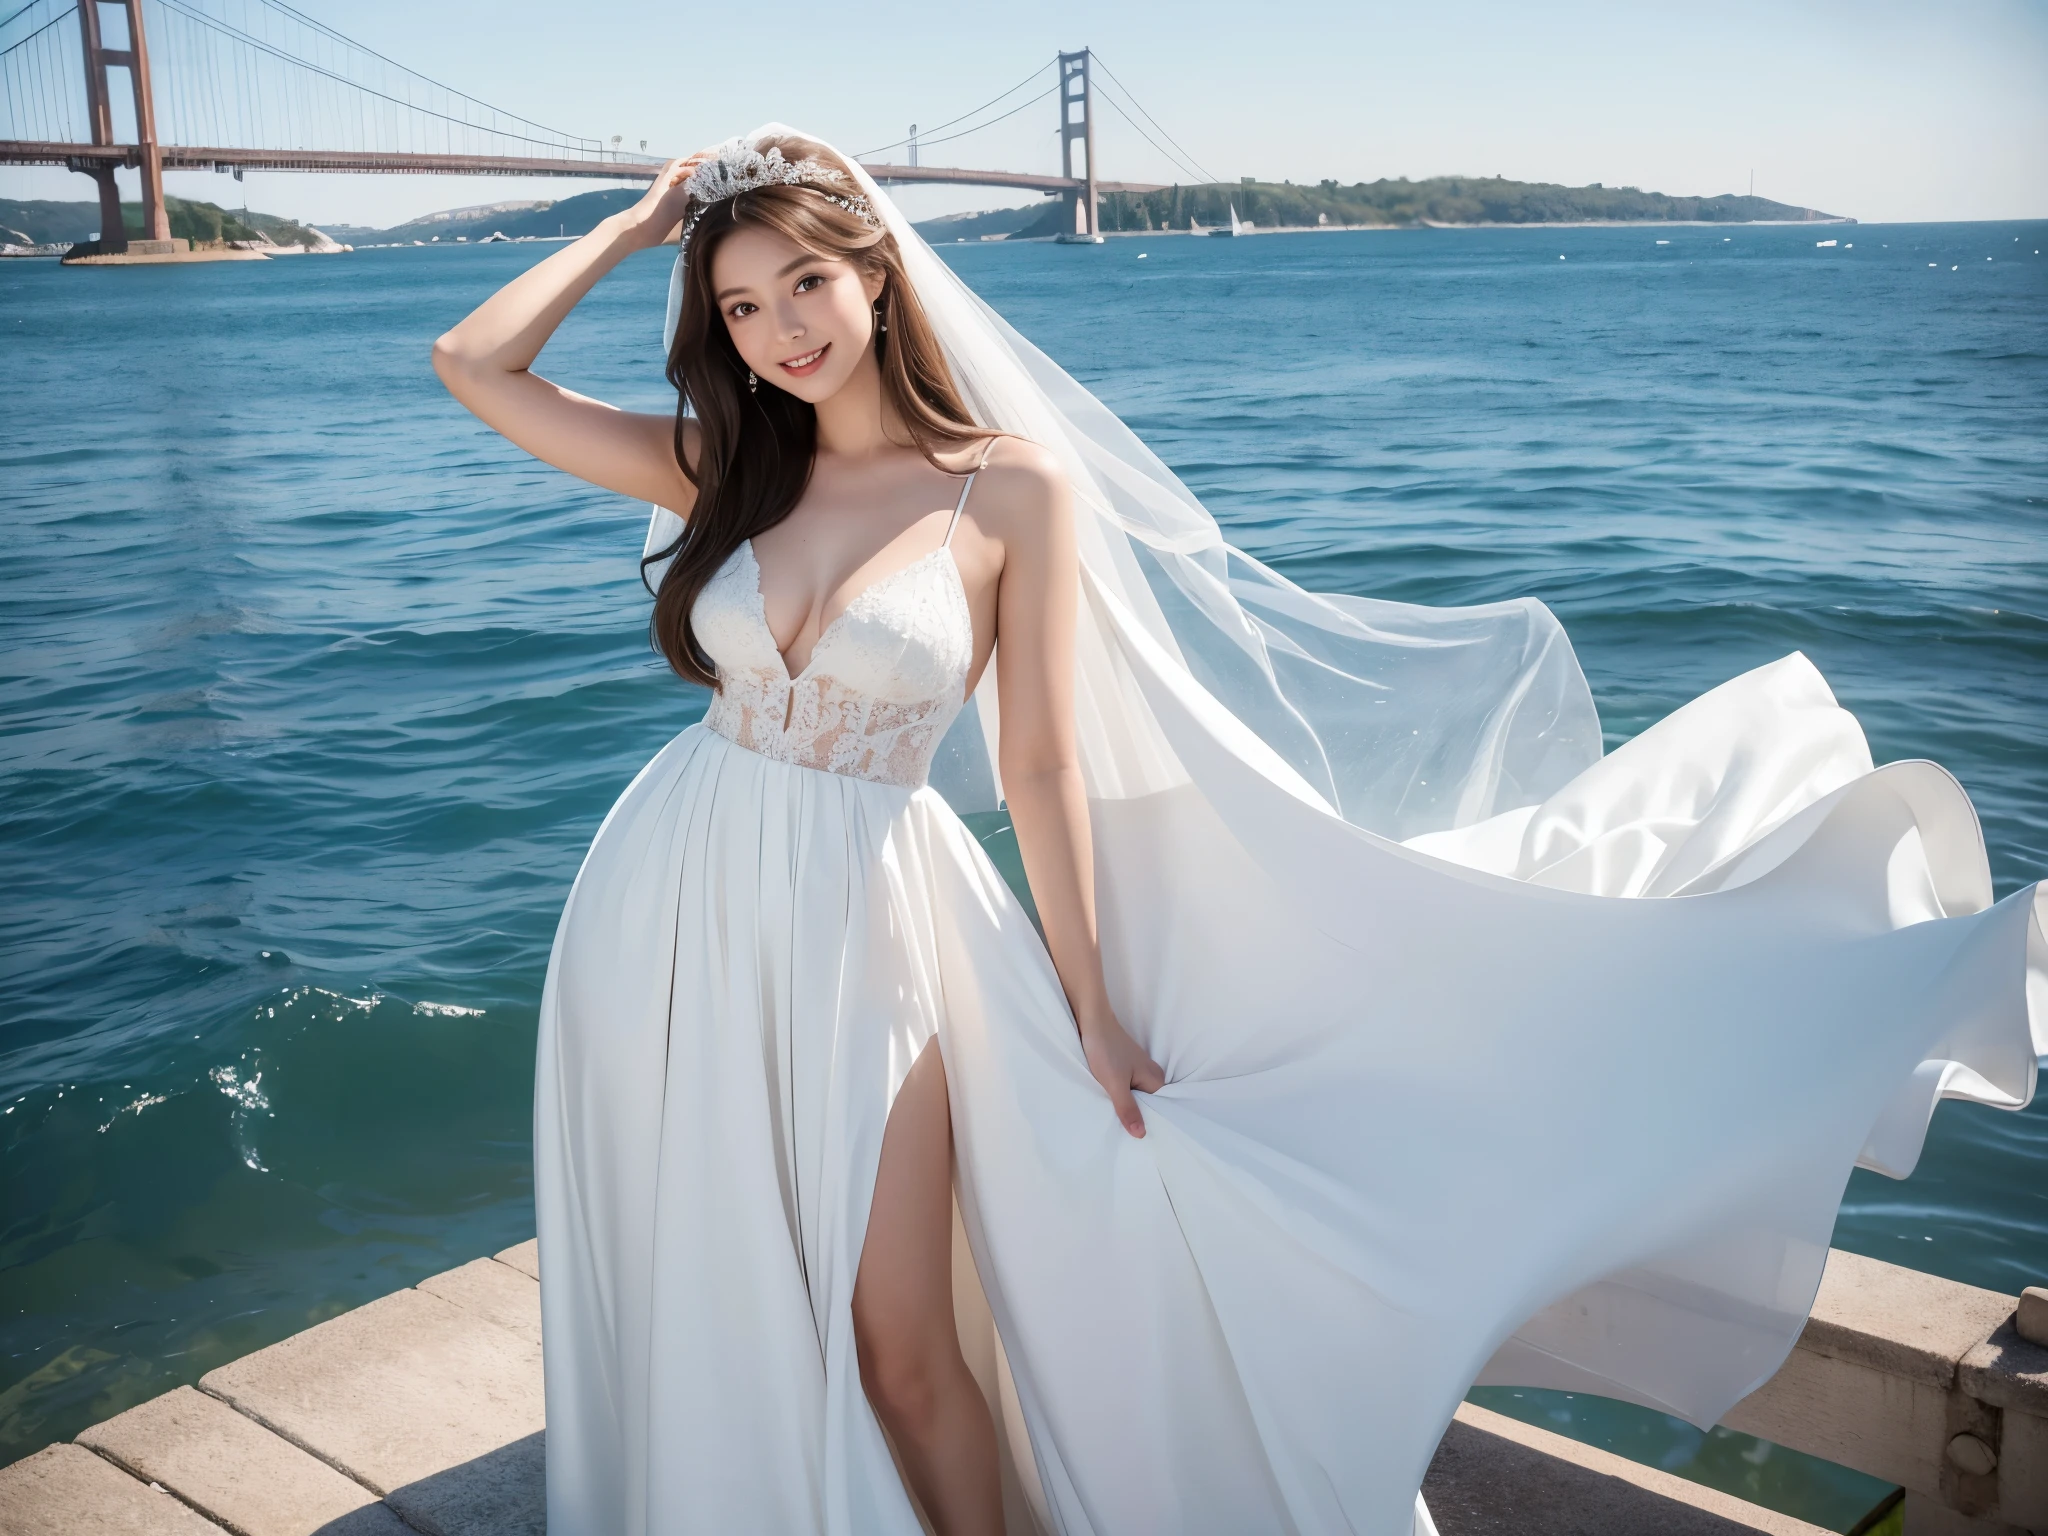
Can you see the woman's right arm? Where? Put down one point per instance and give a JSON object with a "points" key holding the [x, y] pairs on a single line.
{"points": [[486, 361]]}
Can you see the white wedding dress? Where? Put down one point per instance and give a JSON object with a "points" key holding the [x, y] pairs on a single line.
{"points": [[1488, 1057]]}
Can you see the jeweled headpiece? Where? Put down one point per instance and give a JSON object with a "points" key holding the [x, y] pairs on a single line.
{"points": [[739, 167]]}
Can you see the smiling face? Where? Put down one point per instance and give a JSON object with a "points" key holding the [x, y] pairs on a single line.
{"points": [[802, 322]]}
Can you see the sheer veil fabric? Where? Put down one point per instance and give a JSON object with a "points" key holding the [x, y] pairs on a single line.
{"points": [[1489, 1058]]}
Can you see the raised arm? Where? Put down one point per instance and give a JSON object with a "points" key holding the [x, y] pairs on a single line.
{"points": [[1041, 770], [486, 361]]}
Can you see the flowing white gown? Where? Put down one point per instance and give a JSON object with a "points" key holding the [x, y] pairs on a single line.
{"points": [[1488, 1058]]}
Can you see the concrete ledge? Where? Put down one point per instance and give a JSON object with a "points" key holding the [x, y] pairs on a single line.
{"points": [[2007, 1371], [1496, 1476], [1906, 1324], [494, 1292], [153, 253], [432, 1398], [238, 1472], [524, 1257], [430, 1405], [65, 1491], [1922, 1382]]}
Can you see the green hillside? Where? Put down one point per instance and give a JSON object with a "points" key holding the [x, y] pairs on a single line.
{"points": [[577, 215], [49, 223], [1439, 200], [41, 223], [976, 226]]}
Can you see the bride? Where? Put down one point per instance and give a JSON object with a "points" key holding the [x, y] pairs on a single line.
{"points": [[1356, 1048]]}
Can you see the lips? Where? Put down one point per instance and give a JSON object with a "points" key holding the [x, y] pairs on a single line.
{"points": [[808, 363]]}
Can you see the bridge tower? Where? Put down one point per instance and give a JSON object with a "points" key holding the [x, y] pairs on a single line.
{"points": [[156, 219], [1084, 225]]}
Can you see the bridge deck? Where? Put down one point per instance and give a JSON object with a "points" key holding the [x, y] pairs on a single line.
{"points": [[184, 157]]}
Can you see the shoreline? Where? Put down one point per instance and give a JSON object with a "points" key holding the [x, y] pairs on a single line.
{"points": [[1395, 229]]}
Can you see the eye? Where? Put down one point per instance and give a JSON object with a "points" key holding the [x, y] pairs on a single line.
{"points": [[809, 281], [741, 310]]}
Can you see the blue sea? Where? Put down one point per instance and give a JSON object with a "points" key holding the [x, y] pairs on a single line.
{"points": [[314, 691]]}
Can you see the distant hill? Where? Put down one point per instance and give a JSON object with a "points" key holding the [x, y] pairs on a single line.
{"points": [[38, 223], [1439, 200], [980, 226], [1385, 204], [48, 223], [577, 215], [370, 234]]}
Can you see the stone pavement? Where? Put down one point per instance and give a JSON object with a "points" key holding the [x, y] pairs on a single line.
{"points": [[421, 1413]]}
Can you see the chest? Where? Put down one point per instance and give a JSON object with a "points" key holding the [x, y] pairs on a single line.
{"points": [[907, 637]]}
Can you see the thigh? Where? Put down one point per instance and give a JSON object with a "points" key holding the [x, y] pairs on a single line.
{"points": [[904, 1290]]}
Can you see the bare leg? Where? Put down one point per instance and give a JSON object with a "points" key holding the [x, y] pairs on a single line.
{"points": [[910, 1362]]}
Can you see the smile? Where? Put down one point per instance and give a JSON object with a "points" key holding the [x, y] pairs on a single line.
{"points": [[808, 363]]}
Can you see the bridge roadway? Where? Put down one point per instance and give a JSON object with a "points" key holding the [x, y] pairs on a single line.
{"points": [[180, 157]]}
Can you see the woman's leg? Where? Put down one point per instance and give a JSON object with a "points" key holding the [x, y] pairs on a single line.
{"points": [[910, 1362]]}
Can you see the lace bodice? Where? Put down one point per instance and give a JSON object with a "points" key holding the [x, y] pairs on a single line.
{"points": [[884, 681]]}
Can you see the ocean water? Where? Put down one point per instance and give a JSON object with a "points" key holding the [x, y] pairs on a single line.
{"points": [[313, 691]]}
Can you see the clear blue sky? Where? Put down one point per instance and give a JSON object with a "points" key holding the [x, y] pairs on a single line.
{"points": [[1935, 109]]}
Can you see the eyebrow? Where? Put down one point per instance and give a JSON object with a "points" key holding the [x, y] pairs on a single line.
{"points": [[804, 260]]}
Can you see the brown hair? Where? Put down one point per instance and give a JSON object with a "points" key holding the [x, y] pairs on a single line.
{"points": [[756, 447]]}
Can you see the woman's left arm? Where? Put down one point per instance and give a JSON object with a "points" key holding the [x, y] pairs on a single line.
{"points": [[1037, 597]]}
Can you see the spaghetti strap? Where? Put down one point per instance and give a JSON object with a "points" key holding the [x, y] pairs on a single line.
{"points": [[961, 505]]}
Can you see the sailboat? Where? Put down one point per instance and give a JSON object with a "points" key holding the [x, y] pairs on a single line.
{"points": [[1237, 225]]}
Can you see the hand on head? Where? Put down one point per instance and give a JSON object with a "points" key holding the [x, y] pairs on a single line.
{"points": [[661, 208]]}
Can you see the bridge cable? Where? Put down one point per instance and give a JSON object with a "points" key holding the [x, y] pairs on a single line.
{"points": [[216, 114], [925, 138], [34, 70], [1110, 101], [53, 101], [560, 140], [35, 101], [1096, 58], [349, 42], [587, 147], [10, 21], [1051, 90], [57, 20]]}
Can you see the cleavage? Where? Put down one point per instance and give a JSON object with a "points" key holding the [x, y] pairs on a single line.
{"points": [[814, 610]]}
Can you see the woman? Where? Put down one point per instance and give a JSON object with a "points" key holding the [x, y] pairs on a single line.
{"points": [[1425, 1100]]}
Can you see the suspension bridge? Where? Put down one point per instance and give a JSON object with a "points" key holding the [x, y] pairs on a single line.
{"points": [[241, 85]]}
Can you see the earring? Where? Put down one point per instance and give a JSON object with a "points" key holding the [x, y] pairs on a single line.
{"points": [[753, 384], [880, 324]]}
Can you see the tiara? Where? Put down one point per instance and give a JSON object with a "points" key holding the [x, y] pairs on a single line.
{"points": [[739, 167]]}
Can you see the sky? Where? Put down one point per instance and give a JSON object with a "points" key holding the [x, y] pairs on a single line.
{"points": [[1880, 110]]}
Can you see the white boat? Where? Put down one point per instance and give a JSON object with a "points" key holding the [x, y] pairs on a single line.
{"points": [[1237, 225], [1822, 245]]}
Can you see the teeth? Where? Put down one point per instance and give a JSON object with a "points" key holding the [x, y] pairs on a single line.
{"points": [[805, 361]]}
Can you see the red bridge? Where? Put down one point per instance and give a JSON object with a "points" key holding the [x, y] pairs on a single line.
{"points": [[286, 77]]}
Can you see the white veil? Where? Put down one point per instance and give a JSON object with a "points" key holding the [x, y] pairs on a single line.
{"points": [[1403, 719]]}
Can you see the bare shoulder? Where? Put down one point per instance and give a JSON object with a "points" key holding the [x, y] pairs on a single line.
{"points": [[1021, 493]]}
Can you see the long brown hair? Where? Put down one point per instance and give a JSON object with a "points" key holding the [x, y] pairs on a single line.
{"points": [[755, 448]]}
